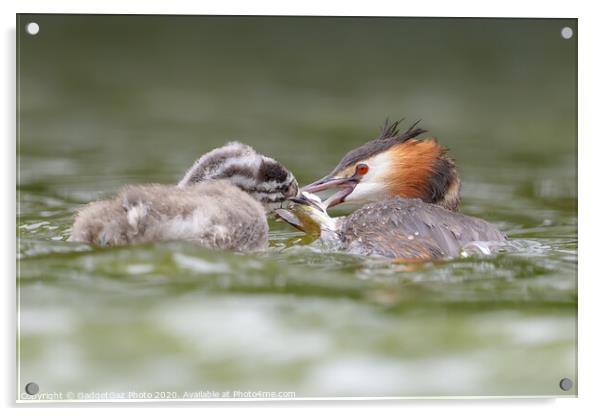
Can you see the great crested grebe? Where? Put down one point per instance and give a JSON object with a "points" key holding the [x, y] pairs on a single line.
{"points": [[412, 189], [220, 203]]}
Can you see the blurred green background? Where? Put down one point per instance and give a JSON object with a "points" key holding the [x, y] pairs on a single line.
{"points": [[108, 100]]}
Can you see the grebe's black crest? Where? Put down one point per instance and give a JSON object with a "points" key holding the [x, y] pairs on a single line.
{"points": [[389, 136]]}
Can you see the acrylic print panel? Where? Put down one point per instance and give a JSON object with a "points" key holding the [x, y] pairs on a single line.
{"points": [[109, 101]]}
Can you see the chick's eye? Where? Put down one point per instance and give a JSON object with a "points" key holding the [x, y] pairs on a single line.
{"points": [[362, 169]]}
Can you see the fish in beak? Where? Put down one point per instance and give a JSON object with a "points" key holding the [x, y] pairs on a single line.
{"points": [[307, 213], [346, 186]]}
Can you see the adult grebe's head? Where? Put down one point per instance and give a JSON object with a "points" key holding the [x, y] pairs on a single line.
{"points": [[262, 177], [394, 164]]}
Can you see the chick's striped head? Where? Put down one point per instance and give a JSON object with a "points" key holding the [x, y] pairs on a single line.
{"points": [[262, 177]]}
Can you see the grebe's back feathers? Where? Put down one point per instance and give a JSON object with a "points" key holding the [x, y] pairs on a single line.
{"points": [[412, 229]]}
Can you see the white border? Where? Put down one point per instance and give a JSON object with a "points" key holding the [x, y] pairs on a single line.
{"points": [[508, 8], [590, 68]]}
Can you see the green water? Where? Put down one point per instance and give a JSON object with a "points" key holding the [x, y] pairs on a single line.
{"points": [[107, 101]]}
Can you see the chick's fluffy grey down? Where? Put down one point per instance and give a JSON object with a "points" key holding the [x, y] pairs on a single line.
{"points": [[214, 214]]}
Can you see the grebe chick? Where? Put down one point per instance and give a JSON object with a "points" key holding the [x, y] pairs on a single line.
{"points": [[220, 203], [397, 228], [394, 164]]}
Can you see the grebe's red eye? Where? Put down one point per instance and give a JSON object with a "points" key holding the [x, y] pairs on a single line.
{"points": [[362, 169]]}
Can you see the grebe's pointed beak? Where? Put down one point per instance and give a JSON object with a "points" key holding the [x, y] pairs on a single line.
{"points": [[326, 182], [347, 185]]}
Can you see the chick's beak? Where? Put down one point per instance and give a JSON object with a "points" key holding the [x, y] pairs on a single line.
{"points": [[347, 185], [293, 190], [310, 200]]}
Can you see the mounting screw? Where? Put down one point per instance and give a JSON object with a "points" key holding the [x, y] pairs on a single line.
{"points": [[566, 384], [32, 388], [32, 28], [566, 32]]}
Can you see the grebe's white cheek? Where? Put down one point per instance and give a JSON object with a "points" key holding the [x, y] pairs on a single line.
{"points": [[371, 186], [365, 192]]}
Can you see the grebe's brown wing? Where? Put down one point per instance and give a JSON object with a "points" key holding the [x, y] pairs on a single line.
{"points": [[387, 245], [412, 229]]}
